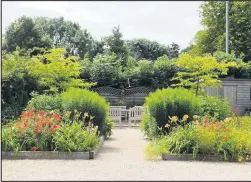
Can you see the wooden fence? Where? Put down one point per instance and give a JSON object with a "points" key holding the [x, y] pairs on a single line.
{"points": [[128, 96], [238, 91]]}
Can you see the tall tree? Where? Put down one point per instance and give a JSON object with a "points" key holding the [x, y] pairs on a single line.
{"points": [[200, 72], [151, 50], [24, 33], [43, 32], [213, 37], [115, 44]]}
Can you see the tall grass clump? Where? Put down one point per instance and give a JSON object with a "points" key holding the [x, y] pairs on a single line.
{"points": [[162, 105], [85, 101]]}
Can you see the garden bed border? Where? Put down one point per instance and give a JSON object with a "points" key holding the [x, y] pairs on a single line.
{"points": [[53, 154], [199, 157]]}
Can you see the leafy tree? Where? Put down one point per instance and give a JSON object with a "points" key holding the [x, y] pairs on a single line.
{"points": [[145, 75], [174, 50], [24, 33], [128, 77], [200, 71], [241, 70], [55, 72], [16, 84], [213, 37], [105, 70], [43, 32], [69, 35], [115, 44], [164, 70], [145, 49], [85, 68]]}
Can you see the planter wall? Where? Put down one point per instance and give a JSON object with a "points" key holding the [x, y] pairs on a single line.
{"points": [[53, 154], [189, 157]]}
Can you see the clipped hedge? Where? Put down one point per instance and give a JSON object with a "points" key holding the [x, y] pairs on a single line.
{"points": [[83, 101]]}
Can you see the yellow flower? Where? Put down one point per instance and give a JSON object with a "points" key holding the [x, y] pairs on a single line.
{"points": [[86, 114], [174, 118], [167, 125], [247, 158], [185, 117], [227, 120], [195, 116], [240, 159]]}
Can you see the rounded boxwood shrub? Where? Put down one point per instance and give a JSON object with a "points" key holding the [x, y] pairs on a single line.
{"points": [[85, 101], [46, 103], [165, 103]]}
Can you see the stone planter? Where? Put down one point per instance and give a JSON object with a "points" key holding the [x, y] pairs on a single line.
{"points": [[53, 154], [199, 157]]}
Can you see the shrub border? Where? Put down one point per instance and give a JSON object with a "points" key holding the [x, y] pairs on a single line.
{"points": [[199, 157], [53, 154]]}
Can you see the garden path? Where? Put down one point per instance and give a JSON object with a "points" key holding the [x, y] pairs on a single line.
{"points": [[122, 158]]}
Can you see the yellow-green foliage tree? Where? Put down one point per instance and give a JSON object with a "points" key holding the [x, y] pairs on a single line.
{"points": [[200, 72], [56, 71]]}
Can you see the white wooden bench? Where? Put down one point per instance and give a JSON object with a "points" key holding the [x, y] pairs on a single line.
{"points": [[135, 114], [123, 110], [115, 114]]}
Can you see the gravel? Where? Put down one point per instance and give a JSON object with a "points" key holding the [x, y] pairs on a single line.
{"points": [[122, 158]]}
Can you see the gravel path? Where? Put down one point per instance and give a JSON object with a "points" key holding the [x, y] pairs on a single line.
{"points": [[122, 158]]}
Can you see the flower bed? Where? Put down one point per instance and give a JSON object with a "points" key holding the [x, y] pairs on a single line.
{"points": [[45, 135], [53, 154], [228, 140]]}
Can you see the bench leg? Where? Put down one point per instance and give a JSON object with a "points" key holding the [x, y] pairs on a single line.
{"points": [[120, 123]]}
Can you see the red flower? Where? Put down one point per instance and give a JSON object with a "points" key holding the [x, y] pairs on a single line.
{"points": [[35, 134], [34, 148], [41, 113], [52, 129], [56, 116], [26, 124]]}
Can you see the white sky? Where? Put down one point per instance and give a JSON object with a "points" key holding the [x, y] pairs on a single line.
{"points": [[163, 21]]}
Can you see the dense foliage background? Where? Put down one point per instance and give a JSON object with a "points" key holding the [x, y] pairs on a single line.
{"points": [[33, 50]]}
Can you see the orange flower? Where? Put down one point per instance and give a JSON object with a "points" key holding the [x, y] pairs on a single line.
{"points": [[34, 148], [224, 137]]}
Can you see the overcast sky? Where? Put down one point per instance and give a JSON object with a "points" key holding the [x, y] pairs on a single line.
{"points": [[163, 21]]}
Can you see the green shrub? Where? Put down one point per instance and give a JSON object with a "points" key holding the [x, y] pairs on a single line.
{"points": [[86, 101], [108, 127], [165, 103], [45, 103], [215, 107], [9, 140], [73, 137]]}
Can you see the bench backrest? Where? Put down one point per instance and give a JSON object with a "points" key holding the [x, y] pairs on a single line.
{"points": [[136, 113], [115, 113]]}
